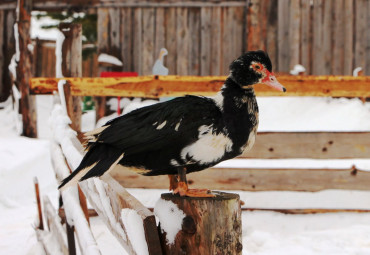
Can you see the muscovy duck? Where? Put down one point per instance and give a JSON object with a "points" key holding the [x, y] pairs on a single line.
{"points": [[183, 135]]}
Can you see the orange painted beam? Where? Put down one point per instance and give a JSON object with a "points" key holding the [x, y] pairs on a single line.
{"points": [[172, 86]]}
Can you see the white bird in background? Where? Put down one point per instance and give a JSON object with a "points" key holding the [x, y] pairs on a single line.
{"points": [[298, 70], [159, 68]]}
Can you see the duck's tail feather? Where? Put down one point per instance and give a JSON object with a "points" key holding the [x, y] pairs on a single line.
{"points": [[99, 159]]}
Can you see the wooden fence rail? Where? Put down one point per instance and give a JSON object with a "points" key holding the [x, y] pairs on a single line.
{"points": [[162, 86]]}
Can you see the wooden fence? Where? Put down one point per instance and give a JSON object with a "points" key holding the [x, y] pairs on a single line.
{"points": [[203, 37], [108, 198], [312, 145]]}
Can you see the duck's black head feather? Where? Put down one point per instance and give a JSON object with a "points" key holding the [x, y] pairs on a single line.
{"points": [[241, 71]]}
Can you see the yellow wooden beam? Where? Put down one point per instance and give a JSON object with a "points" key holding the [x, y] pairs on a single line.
{"points": [[172, 86]]}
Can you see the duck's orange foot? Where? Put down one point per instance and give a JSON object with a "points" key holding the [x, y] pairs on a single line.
{"points": [[183, 190]]}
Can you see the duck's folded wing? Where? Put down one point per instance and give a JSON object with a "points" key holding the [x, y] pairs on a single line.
{"points": [[163, 124]]}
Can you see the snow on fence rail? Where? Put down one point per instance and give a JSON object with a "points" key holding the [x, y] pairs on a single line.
{"points": [[129, 221]]}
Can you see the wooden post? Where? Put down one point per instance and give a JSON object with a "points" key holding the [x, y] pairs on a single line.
{"points": [[71, 239], [210, 225], [72, 66], [38, 200], [24, 68], [3, 94]]}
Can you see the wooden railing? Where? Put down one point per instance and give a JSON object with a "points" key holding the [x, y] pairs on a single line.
{"points": [[171, 86], [269, 145], [108, 198]]}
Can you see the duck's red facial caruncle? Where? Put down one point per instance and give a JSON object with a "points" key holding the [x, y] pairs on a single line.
{"points": [[268, 77]]}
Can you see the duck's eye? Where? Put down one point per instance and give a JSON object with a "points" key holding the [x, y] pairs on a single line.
{"points": [[257, 67]]}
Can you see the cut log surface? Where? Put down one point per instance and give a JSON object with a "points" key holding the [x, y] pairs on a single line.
{"points": [[210, 225]]}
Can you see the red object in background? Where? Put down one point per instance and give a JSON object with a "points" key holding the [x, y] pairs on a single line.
{"points": [[118, 74]]}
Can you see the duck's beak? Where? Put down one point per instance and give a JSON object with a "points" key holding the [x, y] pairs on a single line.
{"points": [[271, 81]]}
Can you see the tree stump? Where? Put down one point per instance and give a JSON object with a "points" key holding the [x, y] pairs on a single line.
{"points": [[208, 225]]}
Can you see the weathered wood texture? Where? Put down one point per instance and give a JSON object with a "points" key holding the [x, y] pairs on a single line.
{"points": [[24, 69], [72, 67], [159, 86], [257, 179], [203, 37], [45, 60], [314, 145], [9, 50], [210, 225], [3, 96]]}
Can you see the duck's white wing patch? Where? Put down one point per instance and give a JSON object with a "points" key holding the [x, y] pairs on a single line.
{"points": [[208, 148]]}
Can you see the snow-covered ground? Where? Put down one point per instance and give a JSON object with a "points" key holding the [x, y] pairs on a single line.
{"points": [[263, 232]]}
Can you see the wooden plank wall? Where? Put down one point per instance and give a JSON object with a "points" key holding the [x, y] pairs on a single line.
{"points": [[202, 38], [44, 55]]}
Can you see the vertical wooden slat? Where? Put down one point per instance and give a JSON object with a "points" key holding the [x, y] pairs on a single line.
{"points": [[294, 33], [327, 36], [103, 29], [215, 67], [232, 31], [126, 39], [137, 40], [338, 38], [159, 36], [254, 26], [361, 29], [348, 37], [3, 94], [194, 37], [7, 51], [227, 39], [182, 35], [171, 42], [148, 21], [305, 39], [28, 102], [271, 32], [283, 35], [206, 43], [317, 47], [114, 33], [238, 28], [72, 67], [9, 48]]}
